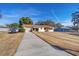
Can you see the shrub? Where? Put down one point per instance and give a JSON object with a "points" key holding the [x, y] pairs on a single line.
{"points": [[21, 29]]}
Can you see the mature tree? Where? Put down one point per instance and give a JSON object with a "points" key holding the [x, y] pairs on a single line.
{"points": [[25, 20], [13, 25], [75, 20], [58, 25], [8, 25], [1, 14], [74, 27], [46, 22]]}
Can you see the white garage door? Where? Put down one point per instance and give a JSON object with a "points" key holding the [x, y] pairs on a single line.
{"points": [[27, 29]]}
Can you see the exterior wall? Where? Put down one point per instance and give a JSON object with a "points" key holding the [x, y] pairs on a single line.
{"points": [[41, 30], [51, 30]]}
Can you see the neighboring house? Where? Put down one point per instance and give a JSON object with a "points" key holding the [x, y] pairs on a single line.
{"points": [[63, 29], [38, 28], [4, 29]]}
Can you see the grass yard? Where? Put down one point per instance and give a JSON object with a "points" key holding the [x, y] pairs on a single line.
{"points": [[9, 43], [69, 43]]}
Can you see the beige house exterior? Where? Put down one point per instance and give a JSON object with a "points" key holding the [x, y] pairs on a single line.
{"points": [[38, 28]]}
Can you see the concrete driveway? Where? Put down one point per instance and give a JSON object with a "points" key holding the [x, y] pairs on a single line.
{"points": [[32, 45]]}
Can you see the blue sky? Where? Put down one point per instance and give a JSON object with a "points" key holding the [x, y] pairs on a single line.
{"points": [[58, 12]]}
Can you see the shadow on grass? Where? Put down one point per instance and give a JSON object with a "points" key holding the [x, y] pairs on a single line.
{"points": [[75, 34], [54, 46], [58, 48]]}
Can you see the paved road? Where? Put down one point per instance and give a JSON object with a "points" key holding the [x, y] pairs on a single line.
{"points": [[32, 45]]}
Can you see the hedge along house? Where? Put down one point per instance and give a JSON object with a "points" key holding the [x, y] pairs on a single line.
{"points": [[38, 28]]}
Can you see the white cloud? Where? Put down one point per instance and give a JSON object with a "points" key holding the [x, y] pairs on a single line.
{"points": [[22, 12], [10, 15], [55, 16], [67, 23], [29, 12], [32, 11]]}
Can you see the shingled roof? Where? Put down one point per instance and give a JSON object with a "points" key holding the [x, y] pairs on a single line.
{"points": [[36, 26]]}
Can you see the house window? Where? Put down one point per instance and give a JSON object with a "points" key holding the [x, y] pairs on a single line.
{"points": [[46, 29], [35, 29]]}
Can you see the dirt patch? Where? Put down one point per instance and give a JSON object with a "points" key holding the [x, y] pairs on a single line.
{"points": [[62, 40], [9, 43]]}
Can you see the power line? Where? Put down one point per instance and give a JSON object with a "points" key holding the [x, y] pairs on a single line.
{"points": [[57, 19]]}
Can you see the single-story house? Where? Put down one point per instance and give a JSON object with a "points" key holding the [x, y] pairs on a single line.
{"points": [[63, 29], [38, 28], [4, 29]]}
